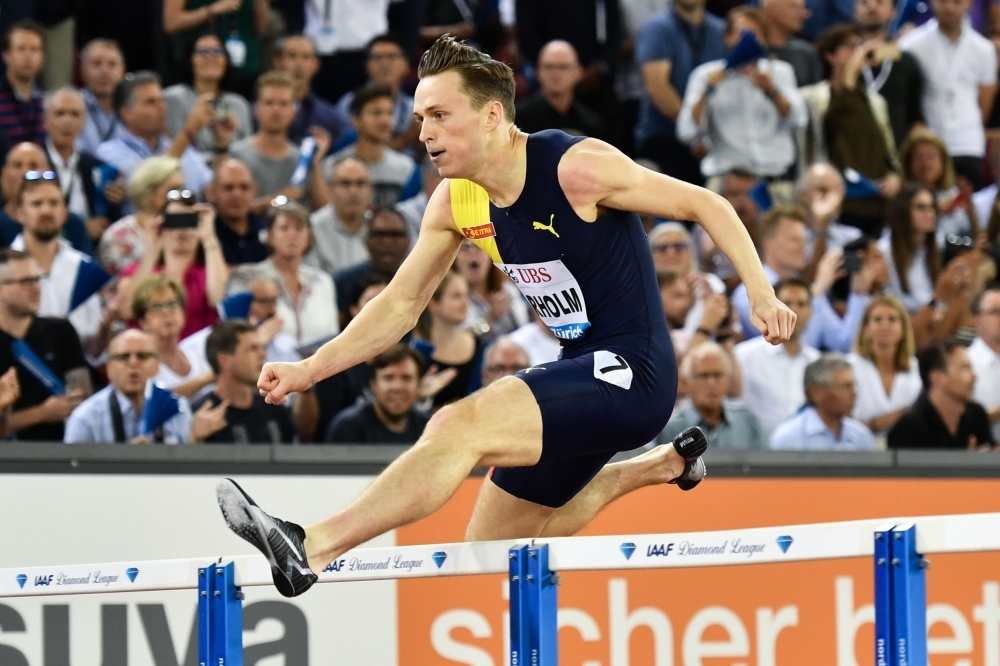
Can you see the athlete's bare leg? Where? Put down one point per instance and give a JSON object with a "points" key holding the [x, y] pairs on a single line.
{"points": [[500, 515], [660, 465], [479, 431]]}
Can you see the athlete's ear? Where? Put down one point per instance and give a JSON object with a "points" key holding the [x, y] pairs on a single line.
{"points": [[493, 115]]}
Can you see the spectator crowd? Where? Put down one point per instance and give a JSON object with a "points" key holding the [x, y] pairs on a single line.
{"points": [[193, 188]]}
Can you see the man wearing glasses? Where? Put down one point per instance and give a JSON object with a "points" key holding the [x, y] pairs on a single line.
{"points": [[388, 241], [43, 350], [555, 105], [387, 65], [113, 414], [340, 228]]}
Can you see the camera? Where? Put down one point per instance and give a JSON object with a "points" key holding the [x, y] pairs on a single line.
{"points": [[178, 218]]}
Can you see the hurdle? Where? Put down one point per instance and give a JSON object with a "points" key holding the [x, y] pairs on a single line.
{"points": [[898, 548]]}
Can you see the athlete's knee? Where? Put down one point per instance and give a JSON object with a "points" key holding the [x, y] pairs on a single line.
{"points": [[458, 425]]}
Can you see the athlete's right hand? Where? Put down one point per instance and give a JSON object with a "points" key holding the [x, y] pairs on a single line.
{"points": [[278, 380], [772, 318]]}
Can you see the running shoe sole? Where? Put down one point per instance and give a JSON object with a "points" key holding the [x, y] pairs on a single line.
{"points": [[249, 522]]}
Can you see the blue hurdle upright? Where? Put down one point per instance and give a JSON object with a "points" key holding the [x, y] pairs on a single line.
{"points": [[900, 606]]}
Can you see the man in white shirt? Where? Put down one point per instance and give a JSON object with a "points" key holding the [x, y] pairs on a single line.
{"points": [[960, 82], [747, 115], [42, 213], [102, 67], [826, 424], [985, 353], [773, 375], [340, 227]]}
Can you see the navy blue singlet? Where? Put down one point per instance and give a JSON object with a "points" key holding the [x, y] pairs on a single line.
{"points": [[594, 285]]}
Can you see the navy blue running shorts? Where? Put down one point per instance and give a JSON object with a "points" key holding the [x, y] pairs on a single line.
{"points": [[593, 406]]}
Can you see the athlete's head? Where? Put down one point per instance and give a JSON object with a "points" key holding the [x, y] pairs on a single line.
{"points": [[464, 102]]}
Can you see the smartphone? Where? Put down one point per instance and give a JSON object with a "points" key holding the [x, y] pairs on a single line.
{"points": [[221, 109], [954, 247], [180, 220], [852, 261]]}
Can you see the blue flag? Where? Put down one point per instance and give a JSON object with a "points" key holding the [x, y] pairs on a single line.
{"points": [[29, 360], [746, 51], [90, 279], [306, 152], [236, 306], [858, 186], [761, 196], [161, 405], [103, 175]]}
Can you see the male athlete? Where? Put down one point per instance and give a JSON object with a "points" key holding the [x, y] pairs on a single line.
{"points": [[550, 210]]}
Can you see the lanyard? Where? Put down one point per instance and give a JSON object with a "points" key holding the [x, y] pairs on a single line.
{"points": [[955, 66], [96, 112], [875, 83]]}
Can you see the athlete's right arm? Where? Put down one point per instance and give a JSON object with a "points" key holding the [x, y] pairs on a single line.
{"points": [[384, 319]]}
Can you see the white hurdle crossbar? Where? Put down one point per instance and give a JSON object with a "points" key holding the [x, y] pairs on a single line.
{"points": [[896, 545]]}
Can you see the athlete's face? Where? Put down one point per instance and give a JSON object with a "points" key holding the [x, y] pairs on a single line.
{"points": [[453, 132]]}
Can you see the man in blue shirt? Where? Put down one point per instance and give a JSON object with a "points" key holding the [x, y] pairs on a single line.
{"points": [[144, 114], [825, 424], [668, 47], [132, 363]]}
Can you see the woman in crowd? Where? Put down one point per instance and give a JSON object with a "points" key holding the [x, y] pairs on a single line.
{"points": [[238, 23], [496, 307], [307, 305], [122, 242], [204, 73], [158, 304], [673, 251], [885, 370], [910, 247], [926, 160], [190, 257], [453, 353]]}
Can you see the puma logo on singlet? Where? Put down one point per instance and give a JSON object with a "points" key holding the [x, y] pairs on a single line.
{"points": [[547, 227]]}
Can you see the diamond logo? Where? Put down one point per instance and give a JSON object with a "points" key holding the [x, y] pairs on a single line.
{"points": [[439, 557], [627, 549], [132, 572], [784, 542], [21, 580]]}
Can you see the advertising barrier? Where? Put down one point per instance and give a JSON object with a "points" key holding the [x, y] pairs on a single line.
{"points": [[774, 611]]}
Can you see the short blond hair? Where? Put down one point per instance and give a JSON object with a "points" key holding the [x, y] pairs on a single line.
{"points": [[151, 286], [151, 173]]}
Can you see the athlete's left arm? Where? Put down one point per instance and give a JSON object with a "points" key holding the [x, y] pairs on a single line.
{"points": [[596, 175]]}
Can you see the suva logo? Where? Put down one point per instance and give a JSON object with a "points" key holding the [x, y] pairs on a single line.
{"points": [[21, 580], [44, 580], [784, 543], [439, 557], [627, 549], [132, 572]]}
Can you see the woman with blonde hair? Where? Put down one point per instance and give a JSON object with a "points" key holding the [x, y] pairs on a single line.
{"points": [[925, 159], [885, 370], [121, 243]]}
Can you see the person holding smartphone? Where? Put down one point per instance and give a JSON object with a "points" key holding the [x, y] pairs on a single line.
{"points": [[182, 245]]}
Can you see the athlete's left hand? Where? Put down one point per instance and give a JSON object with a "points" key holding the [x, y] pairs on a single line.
{"points": [[772, 318]]}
